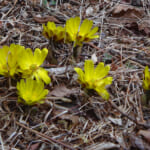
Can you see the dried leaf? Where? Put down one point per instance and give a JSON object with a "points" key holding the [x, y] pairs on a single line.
{"points": [[62, 91], [89, 11], [145, 134], [34, 2], [1, 24], [45, 19], [117, 121], [127, 11], [138, 143], [144, 26], [94, 58], [34, 146], [73, 118], [103, 146]]}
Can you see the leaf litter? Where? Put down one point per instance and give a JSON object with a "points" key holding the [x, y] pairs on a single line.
{"points": [[82, 122]]}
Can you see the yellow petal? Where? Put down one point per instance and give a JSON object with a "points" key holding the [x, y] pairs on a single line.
{"points": [[85, 27], [103, 82], [39, 56], [80, 74], [72, 27], [88, 69], [92, 35], [146, 81], [101, 71], [102, 92], [43, 75]]}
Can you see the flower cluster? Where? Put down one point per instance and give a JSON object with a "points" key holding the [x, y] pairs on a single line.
{"points": [[146, 80], [73, 31], [94, 78], [16, 60]]}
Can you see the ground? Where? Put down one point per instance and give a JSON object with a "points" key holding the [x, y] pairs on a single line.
{"points": [[69, 119]]}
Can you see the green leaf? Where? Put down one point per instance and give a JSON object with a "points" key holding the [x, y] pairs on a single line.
{"points": [[52, 2], [107, 56]]}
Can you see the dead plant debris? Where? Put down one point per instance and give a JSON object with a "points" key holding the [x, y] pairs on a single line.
{"points": [[69, 119]]}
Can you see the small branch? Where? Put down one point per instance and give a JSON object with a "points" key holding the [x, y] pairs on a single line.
{"points": [[10, 9], [62, 70], [45, 136], [2, 144]]}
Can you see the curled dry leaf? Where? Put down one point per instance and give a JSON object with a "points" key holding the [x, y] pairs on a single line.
{"points": [[45, 19], [127, 11]]}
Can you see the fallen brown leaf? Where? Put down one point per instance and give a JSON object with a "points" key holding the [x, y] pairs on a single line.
{"points": [[62, 91], [34, 146]]}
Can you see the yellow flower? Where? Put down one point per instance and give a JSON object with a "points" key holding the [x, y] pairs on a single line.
{"points": [[9, 59], [93, 78], [80, 34], [31, 91], [52, 32], [30, 64], [146, 80]]}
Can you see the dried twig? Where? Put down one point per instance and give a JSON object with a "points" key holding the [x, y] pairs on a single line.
{"points": [[45, 136], [2, 144], [10, 9]]}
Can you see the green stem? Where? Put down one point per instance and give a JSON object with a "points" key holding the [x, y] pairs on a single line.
{"points": [[147, 98], [76, 53], [51, 58]]}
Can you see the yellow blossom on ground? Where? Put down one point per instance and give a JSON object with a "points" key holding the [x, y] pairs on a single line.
{"points": [[31, 91], [30, 64], [146, 80], [9, 59], [80, 34], [94, 78], [52, 32]]}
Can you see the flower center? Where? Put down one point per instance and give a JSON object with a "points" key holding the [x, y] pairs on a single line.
{"points": [[33, 67]]}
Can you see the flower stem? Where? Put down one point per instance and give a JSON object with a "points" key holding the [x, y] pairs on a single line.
{"points": [[76, 53], [50, 57]]}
